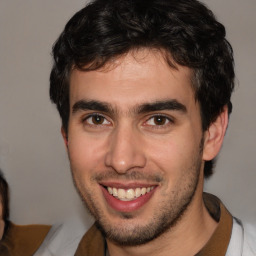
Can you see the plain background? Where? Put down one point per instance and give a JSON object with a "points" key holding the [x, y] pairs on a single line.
{"points": [[32, 153]]}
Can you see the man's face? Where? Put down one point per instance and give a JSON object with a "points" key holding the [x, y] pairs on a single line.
{"points": [[135, 145]]}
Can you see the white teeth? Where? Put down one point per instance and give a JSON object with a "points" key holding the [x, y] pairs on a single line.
{"points": [[138, 192], [114, 192], [121, 193], [129, 194], [110, 191], [143, 191]]}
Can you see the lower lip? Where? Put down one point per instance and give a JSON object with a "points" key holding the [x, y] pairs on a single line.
{"points": [[127, 206]]}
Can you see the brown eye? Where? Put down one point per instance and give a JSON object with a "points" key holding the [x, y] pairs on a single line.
{"points": [[160, 120], [97, 120]]}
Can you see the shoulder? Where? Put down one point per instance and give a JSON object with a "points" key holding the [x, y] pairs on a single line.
{"points": [[24, 239], [92, 243], [63, 238], [243, 239], [250, 238], [28, 232]]}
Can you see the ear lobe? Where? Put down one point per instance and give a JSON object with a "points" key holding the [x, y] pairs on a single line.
{"points": [[214, 136], [64, 136]]}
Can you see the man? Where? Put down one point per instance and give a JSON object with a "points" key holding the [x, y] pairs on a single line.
{"points": [[143, 89], [16, 240]]}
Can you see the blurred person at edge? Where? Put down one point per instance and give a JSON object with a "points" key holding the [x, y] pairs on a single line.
{"points": [[17, 240], [144, 89], [4, 205]]}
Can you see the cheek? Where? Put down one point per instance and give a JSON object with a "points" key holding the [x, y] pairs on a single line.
{"points": [[174, 155], [169, 150], [85, 153]]}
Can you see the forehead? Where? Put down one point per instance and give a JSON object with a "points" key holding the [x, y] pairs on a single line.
{"points": [[139, 76]]}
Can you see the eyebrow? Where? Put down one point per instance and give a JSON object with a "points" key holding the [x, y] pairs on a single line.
{"points": [[172, 104], [91, 105]]}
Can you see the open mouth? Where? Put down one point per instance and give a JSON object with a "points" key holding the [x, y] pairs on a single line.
{"points": [[127, 197], [128, 194]]}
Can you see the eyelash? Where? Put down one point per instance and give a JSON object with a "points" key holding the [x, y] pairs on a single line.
{"points": [[167, 121], [85, 119]]}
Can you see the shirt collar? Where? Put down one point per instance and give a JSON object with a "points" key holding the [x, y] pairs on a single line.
{"points": [[93, 243]]}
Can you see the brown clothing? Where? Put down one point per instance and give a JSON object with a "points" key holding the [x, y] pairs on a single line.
{"points": [[93, 243], [23, 240]]}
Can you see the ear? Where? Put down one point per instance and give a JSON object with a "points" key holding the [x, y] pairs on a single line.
{"points": [[214, 136], [64, 136]]}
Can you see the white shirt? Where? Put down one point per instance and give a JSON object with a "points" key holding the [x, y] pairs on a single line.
{"points": [[243, 239]]}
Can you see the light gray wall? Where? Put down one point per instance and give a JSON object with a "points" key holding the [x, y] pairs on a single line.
{"points": [[32, 153]]}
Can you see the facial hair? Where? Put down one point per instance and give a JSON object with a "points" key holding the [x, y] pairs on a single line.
{"points": [[167, 214]]}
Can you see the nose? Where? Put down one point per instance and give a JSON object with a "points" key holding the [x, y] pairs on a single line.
{"points": [[125, 150]]}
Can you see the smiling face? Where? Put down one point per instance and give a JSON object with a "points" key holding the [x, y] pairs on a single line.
{"points": [[135, 145]]}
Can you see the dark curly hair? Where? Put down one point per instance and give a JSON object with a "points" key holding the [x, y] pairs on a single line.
{"points": [[186, 30]]}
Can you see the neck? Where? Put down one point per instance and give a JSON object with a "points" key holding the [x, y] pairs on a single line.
{"points": [[186, 238]]}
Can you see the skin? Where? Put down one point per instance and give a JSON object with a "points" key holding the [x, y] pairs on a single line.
{"points": [[1, 220], [129, 145]]}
